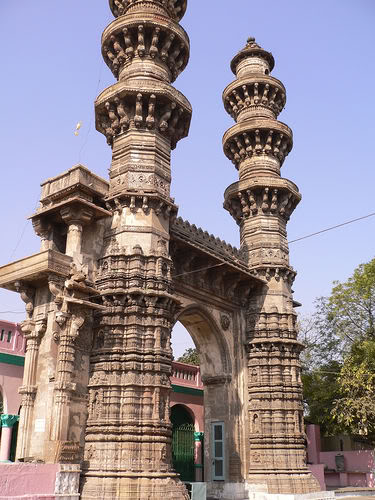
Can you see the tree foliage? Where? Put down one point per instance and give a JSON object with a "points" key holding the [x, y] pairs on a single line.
{"points": [[339, 360], [352, 305], [354, 408], [320, 390], [318, 332], [190, 356]]}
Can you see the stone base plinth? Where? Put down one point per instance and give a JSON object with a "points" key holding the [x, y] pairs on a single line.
{"points": [[132, 488]]}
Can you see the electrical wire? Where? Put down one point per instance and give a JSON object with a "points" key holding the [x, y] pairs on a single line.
{"points": [[198, 270], [216, 265], [332, 227], [91, 120], [12, 312]]}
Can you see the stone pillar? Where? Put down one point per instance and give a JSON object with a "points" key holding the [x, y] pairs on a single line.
{"points": [[128, 432], [261, 202], [7, 423], [64, 386], [198, 456], [43, 230], [33, 332], [75, 217]]}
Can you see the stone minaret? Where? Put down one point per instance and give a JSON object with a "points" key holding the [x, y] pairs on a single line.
{"points": [[128, 434], [261, 202]]}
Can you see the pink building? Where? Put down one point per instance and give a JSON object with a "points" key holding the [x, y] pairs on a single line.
{"points": [[12, 359], [340, 461], [187, 417]]}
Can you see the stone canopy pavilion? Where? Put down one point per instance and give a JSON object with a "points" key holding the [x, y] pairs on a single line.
{"points": [[117, 268]]}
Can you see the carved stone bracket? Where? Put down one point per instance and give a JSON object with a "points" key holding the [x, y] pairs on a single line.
{"points": [[224, 321], [27, 294]]}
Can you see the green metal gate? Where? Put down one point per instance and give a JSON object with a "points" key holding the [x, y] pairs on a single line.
{"points": [[183, 445]]}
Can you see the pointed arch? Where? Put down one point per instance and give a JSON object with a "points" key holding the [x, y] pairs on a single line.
{"points": [[208, 338]]}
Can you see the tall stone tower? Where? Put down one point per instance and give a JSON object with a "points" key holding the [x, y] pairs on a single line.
{"points": [[261, 202], [143, 118]]}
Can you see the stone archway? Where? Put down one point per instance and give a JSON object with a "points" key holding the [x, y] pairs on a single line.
{"points": [[223, 390], [212, 346]]}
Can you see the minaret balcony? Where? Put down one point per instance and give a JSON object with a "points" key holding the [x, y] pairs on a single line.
{"points": [[261, 196], [148, 46], [143, 105], [258, 138], [255, 96]]}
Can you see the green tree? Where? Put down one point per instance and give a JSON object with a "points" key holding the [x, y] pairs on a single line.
{"points": [[352, 305], [190, 356], [320, 390], [339, 360], [354, 408], [319, 334]]}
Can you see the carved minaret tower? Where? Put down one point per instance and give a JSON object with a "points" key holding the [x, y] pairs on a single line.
{"points": [[261, 202], [128, 434]]}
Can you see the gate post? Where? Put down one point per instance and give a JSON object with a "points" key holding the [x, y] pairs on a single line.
{"points": [[198, 456]]}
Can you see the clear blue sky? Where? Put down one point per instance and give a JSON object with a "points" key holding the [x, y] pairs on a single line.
{"points": [[51, 66]]}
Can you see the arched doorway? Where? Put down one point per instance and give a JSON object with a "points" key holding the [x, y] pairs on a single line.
{"points": [[218, 449], [183, 442]]}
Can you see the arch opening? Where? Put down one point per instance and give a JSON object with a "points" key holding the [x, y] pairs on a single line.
{"points": [[208, 339]]}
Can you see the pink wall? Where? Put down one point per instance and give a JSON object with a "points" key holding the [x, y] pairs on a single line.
{"points": [[11, 376], [19, 479], [358, 464], [186, 375], [10, 380], [13, 343], [317, 470], [313, 443], [355, 461]]}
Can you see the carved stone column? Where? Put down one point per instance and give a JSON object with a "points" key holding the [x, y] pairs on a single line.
{"points": [[33, 332], [75, 217], [261, 202], [69, 325], [43, 230]]}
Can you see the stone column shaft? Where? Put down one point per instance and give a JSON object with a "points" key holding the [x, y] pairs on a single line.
{"points": [[33, 332]]}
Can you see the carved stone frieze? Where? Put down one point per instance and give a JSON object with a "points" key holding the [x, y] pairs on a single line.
{"points": [[143, 202], [173, 8], [191, 232]]}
